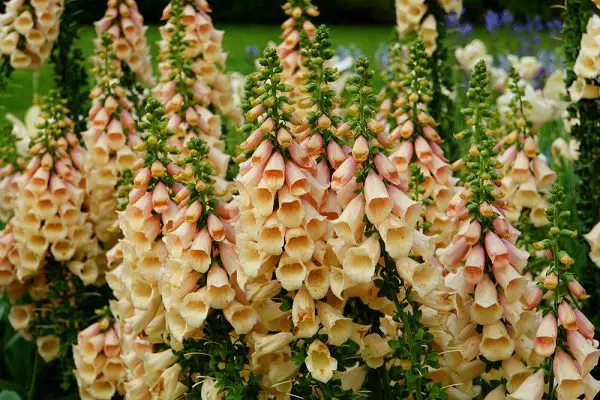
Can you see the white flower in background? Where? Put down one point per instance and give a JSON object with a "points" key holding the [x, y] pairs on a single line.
{"points": [[555, 86], [344, 67], [27, 128], [526, 66], [568, 150], [543, 109], [499, 77], [452, 6], [237, 88], [469, 55]]}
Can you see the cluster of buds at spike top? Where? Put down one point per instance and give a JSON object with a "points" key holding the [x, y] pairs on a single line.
{"points": [[491, 322], [527, 174], [586, 64], [99, 367], [110, 139], [49, 218], [11, 166], [419, 157], [125, 25], [412, 16], [565, 337], [316, 129], [192, 82], [297, 31], [28, 29]]}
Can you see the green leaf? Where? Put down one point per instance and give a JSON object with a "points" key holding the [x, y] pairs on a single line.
{"points": [[9, 395]]}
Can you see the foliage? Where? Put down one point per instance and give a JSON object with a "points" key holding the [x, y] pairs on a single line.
{"points": [[70, 73]]}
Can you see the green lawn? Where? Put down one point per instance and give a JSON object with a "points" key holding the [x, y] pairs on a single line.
{"points": [[24, 84]]}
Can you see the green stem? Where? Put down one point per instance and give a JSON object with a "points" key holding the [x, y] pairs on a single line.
{"points": [[31, 393], [385, 383]]}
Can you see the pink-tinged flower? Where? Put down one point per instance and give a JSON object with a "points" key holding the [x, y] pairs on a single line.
{"points": [[402, 156], [568, 378], [567, 317], [431, 134], [544, 176], [252, 141], [423, 150], [551, 281], [517, 257], [378, 202], [496, 250], [585, 352], [534, 298], [160, 198], [520, 168], [577, 290], [511, 281], [335, 154], [386, 168], [454, 253], [301, 156], [508, 156], [532, 388], [403, 206], [486, 309], [474, 264], [585, 327], [344, 173], [360, 149], [545, 337], [496, 344], [473, 233]]}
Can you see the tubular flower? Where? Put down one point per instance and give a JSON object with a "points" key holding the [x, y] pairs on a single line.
{"points": [[111, 139], [563, 318], [298, 31], [11, 167], [124, 24], [99, 367], [483, 262], [49, 218], [28, 30], [419, 157], [150, 210], [192, 85], [527, 174]]}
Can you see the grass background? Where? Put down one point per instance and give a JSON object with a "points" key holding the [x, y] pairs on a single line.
{"points": [[25, 84]]}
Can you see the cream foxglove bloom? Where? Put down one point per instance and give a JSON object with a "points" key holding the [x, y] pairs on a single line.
{"points": [[319, 362], [27, 128], [469, 55]]}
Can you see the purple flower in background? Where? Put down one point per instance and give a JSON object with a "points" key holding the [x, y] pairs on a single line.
{"points": [[507, 18], [383, 55], [492, 20], [465, 29], [252, 51], [554, 26], [343, 52], [452, 21], [517, 27], [535, 24], [503, 62]]}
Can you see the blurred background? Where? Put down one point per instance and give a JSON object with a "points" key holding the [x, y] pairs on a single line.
{"points": [[355, 12]]}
